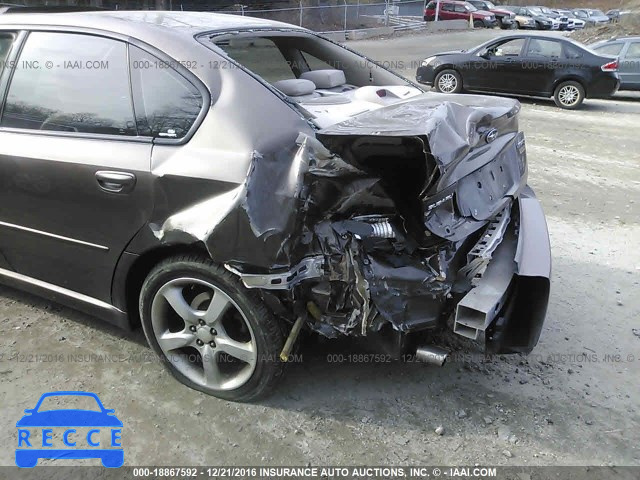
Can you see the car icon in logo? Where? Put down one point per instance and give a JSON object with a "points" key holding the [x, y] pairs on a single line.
{"points": [[85, 433]]}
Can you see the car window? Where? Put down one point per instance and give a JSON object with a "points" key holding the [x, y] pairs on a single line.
{"points": [[447, 7], [166, 103], [261, 56], [634, 50], [544, 48], [460, 8], [508, 49], [431, 6], [71, 83], [6, 40], [572, 52], [314, 63], [610, 48]]}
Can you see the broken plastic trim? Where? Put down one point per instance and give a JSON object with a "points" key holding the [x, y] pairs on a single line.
{"points": [[312, 267], [480, 255]]}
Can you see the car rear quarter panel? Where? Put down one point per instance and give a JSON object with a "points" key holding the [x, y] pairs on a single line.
{"points": [[202, 193]]}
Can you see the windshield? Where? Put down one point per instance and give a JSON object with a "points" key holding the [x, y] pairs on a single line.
{"points": [[536, 10], [597, 13], [470, 8], [489, 6], [546, 10]]}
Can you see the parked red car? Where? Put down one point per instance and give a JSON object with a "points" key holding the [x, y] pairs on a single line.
{"points": [[456, 10]]}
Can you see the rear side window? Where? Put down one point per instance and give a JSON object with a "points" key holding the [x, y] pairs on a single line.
{"points": [[610, 49], [166, 103], [634, 50], [572, 52], [71, 83]]}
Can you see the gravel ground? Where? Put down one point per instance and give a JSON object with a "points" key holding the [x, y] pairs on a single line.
{"points": [[573, 401]]}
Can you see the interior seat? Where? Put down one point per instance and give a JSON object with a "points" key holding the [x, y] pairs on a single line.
{"points": [[329, 80]]}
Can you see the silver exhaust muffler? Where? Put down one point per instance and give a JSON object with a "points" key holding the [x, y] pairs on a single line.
{"points": [[432, 355]]}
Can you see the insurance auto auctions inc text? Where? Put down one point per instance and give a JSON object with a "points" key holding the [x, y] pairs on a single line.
{"points": [[372, 472]]}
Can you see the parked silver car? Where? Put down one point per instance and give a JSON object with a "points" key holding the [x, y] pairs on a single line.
{"points": [[229, 181], [627, 49]]}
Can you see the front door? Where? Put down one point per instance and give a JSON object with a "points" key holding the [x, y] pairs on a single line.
{"points": [[74, 174], [496, 67]]}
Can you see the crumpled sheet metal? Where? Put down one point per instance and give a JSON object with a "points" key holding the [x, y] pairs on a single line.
{"points": [[451, 127], [294, 198], [258, 224]]}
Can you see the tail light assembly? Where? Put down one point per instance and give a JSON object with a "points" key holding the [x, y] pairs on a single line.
{"points": [[610, 67]]}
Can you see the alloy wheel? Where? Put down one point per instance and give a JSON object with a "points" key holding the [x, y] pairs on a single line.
{"points": [[204, 334], [569, 95], [447, 83]]}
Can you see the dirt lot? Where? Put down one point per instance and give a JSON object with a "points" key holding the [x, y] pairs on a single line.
{"points": [[573, 401]]}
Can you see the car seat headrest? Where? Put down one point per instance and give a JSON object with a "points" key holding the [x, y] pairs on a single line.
{"points": [[295, 87], [325, 78]]}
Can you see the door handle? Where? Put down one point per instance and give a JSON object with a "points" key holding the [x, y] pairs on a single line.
{"points": [[116, 182]]}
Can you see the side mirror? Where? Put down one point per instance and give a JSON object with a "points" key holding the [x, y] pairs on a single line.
{"points": [[486, 54]]}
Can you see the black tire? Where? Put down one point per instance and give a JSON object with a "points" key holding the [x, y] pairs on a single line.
{"points": [[268, 333], [569, 95], [448, 75], [478, 24]]}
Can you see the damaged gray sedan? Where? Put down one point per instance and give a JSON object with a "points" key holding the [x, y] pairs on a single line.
{"points": [[245, 180]]}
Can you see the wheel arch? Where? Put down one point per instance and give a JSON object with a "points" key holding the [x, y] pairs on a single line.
{"points": [[133, 269], [447, 66], [569, 78]]}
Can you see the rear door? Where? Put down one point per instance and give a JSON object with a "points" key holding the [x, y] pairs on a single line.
{"points": [[74, 173], [539, 63], [630, 65]]}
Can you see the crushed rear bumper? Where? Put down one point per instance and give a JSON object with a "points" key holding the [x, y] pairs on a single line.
{"points": [[506, 308]]}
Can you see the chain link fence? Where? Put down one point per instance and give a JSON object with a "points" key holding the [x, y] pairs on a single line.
{"points": [[336, 16], [318, 15]]}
